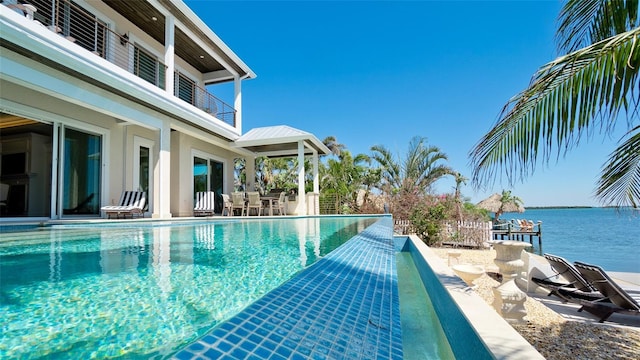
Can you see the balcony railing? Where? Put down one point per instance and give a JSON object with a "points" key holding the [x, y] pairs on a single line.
{"points": [[83, 28], [187, 90]]}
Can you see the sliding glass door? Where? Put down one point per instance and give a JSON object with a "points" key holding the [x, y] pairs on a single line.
{"points": [[208, 175], [82, 173]]}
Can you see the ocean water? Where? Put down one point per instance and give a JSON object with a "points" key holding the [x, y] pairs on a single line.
{"points": [[605, 237]]}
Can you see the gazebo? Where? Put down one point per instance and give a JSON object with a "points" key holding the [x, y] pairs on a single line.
{"points": [[285, 141]]}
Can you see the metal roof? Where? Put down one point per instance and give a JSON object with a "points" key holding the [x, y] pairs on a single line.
{"points": [[279, 141]]}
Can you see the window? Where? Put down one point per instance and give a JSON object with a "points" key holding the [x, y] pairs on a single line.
{"points": [[185, 88], [147, 67], [143, 169]]}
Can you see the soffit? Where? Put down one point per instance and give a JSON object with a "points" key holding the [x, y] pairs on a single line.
{"points": [[141, 13]]}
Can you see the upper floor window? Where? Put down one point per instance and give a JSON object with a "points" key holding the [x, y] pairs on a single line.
{"points": [[148, 67], [185, 88]]}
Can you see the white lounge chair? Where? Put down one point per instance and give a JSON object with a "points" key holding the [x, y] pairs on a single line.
{"points": [[131, 203], [205, 201]]}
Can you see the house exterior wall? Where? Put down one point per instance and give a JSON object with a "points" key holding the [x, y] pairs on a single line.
{"points": [[113, 104]]}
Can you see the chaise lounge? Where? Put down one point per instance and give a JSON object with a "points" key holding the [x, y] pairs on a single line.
{"points": [[621, 301], [205, 202], [131, 203], [576, 287]]}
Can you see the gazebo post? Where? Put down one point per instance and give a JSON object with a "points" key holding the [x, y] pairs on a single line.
{"points": [[302, 205]]}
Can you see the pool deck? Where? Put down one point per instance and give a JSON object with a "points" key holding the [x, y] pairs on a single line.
{"points": [[344, 306]]}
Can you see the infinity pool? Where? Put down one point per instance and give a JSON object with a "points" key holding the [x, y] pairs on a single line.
{"points": [[143, 290]]}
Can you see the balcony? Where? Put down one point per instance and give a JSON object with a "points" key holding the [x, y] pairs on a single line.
{"points": [[86, 30]]}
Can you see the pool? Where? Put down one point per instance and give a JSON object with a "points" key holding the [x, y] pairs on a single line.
{"points": [[143, 290]]}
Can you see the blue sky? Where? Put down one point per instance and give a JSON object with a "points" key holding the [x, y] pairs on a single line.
{"points": [[379, 73]]}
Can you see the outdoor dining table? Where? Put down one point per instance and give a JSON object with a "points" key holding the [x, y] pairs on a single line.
{"points": [[269, 200]]}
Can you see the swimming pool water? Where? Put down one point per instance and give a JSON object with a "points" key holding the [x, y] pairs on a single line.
{"points": [[141, 291], [419, 319]]}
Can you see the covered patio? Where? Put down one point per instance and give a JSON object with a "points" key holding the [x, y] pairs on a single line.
{"points": [[285, 141]]}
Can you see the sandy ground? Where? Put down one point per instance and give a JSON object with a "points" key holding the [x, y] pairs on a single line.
{"points": [[551, 334]]}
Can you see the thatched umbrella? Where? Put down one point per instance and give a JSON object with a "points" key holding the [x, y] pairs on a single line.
{"points": [[501, 203]]}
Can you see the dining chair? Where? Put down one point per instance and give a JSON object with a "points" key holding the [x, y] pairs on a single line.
{"points": [[279, 204], [237, 200], [254, 202], [227, 204]]}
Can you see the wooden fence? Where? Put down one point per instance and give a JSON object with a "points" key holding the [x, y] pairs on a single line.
{"points": [[473, 234]]}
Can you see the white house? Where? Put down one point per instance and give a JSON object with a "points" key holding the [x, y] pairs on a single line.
{"points": [[99, 97]]}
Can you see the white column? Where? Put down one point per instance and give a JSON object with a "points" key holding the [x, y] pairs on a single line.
{"points": [[162, 207], [316, 176], [54, 208], [237, 102], [169, 56], [302, 202], [316, 184]]}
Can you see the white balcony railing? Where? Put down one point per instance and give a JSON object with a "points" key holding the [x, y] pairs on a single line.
{"points": [[86, 30]]}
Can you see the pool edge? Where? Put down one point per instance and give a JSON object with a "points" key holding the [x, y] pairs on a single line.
{"points": [[498, 336]]}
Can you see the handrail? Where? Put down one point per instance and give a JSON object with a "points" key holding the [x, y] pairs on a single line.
{"points": [[187, 90], [84, 29]]}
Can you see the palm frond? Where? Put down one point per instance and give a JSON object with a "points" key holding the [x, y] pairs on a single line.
{"points": [[619, 182], [584, 22], [567, 100], [391, 170]]}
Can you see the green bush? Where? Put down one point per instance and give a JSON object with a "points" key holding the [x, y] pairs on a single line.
{"points": [[427, 220]]}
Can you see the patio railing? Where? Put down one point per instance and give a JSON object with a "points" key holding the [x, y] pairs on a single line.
{"points": [[86, 30]]}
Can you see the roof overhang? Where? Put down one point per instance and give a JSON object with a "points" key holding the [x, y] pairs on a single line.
{"points": [[280, 141], [194, 41]]}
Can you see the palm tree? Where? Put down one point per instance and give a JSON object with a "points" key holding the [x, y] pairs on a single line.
{"points": [[420, 169], [460, 180], [343, 177], [590, 89], [506, 199], [332, 143]]}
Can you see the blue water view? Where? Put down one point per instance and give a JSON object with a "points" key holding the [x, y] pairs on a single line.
{"points": [[606, 237], [140, 291]]}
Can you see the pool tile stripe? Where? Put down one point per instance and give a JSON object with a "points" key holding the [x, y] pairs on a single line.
{"points": [[345, 306]]}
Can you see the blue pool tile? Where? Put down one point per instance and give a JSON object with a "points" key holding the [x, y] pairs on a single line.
{"points": [[224, 346], [239, 353], [262, 332], [212, 354], [184, 355], [283, 351], [263, 352], [248, 346], [209, 339], [344, 306], [270, 345], [228, 326], [196, 347], [299, 357], [255, 338], [318, 356]]}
